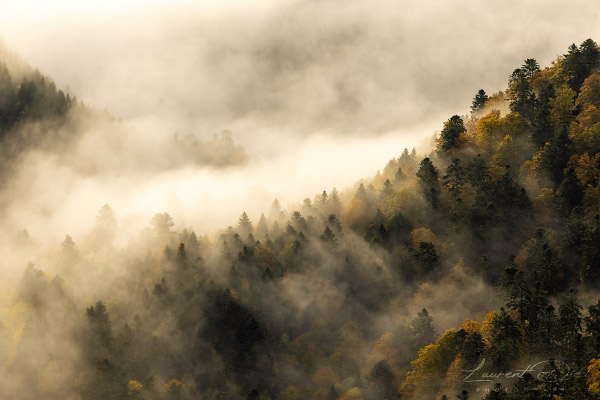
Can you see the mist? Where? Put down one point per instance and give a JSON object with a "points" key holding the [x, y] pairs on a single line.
{"points": [[288, 69], [205, 112], [297, 84]]}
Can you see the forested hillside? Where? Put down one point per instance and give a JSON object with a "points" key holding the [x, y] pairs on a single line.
{"points": [[36, 116], [469, 272]]}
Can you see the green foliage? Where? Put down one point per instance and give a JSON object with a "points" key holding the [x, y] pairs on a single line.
{"points": [[450, 134], [34, 98], [555, 156], [505, 341], [543, 125], [570, 323], [428, 181], [463, 395], [479, 101], [422, 330], [328, 236], [579, 62], [382, 381], [520, 93], [235, 333], [455, 177]]}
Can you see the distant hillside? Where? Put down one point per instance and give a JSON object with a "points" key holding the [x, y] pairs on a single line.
{"points": [[36, 115]]}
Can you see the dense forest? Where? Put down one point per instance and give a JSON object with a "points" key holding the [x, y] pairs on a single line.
{"points": [[470, 272]]}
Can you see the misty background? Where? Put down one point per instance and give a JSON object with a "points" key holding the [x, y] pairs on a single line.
{"points": [[316, 93], [204, 112]]}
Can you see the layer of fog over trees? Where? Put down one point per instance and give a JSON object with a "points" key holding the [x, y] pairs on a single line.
{"points": [[317, 93], [301, 200]]}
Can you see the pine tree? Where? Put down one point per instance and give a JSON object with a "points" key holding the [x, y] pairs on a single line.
{"points": [[100, 323], [399, 175], [182, 257], [479, 101], [463, 395], [262, 228], [332, 394], [328, 236], [455, 177], [428, 181], [361, 194], [555, 156], [422, 331], [543, 334], [323, 200], [244, 225], [579, 62], [335, 204], [275, 211], [451, 132], [530, 67], [569, 193], [522, 98], [381, 379], [472, 349], [592, 327], [590, 253], [543, 128], [386, 190], [570, 322], [405, 158], [505, 341], [498, 392]]}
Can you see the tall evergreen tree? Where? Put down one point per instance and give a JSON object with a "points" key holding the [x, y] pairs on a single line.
{"points": [[521, 95], [451, 132], [428, 181], [479, 101], [570, 322], [543, 128]]}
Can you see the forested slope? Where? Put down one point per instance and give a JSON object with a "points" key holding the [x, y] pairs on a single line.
{"points": [[471, 271]]}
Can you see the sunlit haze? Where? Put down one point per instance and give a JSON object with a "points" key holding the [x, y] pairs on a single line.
{"points": [[299, 199]]}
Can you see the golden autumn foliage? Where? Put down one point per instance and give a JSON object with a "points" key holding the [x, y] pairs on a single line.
{"points": [[488, 126], [423, 375], [505, 153], [16, 341], [587, 169], [591, 200], [266, 257], [594, 376], [453, 378], [487, 326], [589, 94], [352, 394], [357, 215], [589, 116], [492, 130], [423, 235], [384, 349], [583, 141], [563, 106], [471, 326], [405, 201], [133, 387], [20, 313]]}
